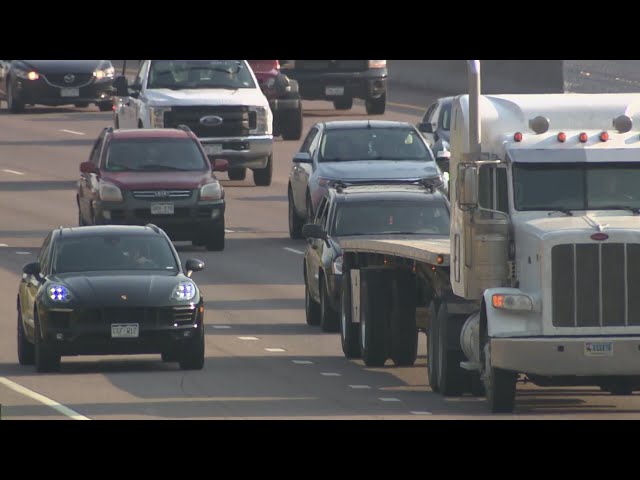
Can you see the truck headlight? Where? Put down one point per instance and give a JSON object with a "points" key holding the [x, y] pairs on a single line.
{"points": [[377, 63], [110, 193], [336, 266], [262, 121], [105, 73], [211, 191], [157, 116], [512, 302]]}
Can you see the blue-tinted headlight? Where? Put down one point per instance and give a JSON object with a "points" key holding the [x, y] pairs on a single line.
{"points": [[185, 291], [58, 293]]}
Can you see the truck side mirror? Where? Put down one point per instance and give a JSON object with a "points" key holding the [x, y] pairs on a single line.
{"points": [[467, 186], [122, 86], [425, 127]]}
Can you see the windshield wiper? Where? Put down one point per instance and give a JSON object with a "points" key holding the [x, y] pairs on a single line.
{"points": [[165, 167], [634, 210], [559, 209]]}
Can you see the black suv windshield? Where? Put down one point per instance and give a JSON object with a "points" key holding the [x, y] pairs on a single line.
{"points": [[391, 217], [186, 74], [113, 252], [343, 145], [154, 155]]}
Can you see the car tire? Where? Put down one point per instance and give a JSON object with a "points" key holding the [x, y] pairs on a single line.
{"points": [[262, 177], [329, 318], [105, 106], [311, 307], [291, 125], [215, 243], [13, 105], [237, 173], [193, 355], [295, 222], [376, 106], [344, 103], [349, 332], [26, 351], [44, 359]]}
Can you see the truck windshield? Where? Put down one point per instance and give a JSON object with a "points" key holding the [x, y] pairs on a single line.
{"points": [[352, 144], [189, 74], [154, 155], [396, 217], [576, 186]]}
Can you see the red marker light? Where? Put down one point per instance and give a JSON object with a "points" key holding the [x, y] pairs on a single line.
{"points": [[604, 136], [562, 137], [599, 237], [517, 137], [583, 137]]}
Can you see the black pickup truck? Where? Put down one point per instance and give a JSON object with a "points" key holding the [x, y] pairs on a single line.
{"points": [[340, 81]]}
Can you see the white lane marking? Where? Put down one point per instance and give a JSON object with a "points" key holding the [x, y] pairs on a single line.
{"points": [[221, 326], [15, 172], [22, 253], [66, 411], [73, 132], [359, 386], [331, 374], [247, 338], [417, 412], [226, 230], [293, 250], [302, 362], [388, 399], [404, 105], [3, 245], [275, 349]]}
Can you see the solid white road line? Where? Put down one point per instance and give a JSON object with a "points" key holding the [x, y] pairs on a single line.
{"points": [[421, 413], [388, 399], [275, 349], [15, 172], [66, 411], [73, 132], [293, 250], [221, 326], [302, 362], [331, 374], [22, 253], [359, 386], [3, 245], [247, 338], [226, 230]]}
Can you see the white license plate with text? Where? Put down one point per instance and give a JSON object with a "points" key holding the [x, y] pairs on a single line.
{"points": [[214, 149], [334, 91], [69, 92], [162, 209], [125, 330], [598, 349]]}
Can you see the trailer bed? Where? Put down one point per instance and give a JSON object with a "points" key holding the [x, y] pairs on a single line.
{"points": [[419, 248]]}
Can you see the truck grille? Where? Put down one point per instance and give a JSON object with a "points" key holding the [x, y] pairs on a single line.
{"points": [[237, 121], [158, 195], [332, 65], [595, 285]]}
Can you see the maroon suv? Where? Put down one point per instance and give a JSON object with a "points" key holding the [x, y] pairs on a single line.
{"points": [[159, 176]]}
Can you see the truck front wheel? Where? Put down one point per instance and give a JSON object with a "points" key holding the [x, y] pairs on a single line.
{"points": [[343, 103], [374, 309], [262, 177], [349, 332], [404, 332], [291, 124], [376, 106], [452, 379], [499, 385]]}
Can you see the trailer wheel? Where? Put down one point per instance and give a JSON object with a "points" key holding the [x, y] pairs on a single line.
{"points": [[404, 332], [349, 332], [432, 349], [373, 313], [291, 124], [452, 379], [499, 385]]}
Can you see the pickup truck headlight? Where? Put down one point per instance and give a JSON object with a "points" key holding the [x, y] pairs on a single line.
{"points": [[110, 193], [157, 116], [105, 73], [211, 191], [512, 302], [262, 122], [377, 63]]}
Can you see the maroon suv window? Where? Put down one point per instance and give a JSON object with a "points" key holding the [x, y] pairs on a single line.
{"points": [[154, 155]]}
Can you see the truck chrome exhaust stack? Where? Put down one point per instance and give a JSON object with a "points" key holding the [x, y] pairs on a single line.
{"points": [[474, 109]]}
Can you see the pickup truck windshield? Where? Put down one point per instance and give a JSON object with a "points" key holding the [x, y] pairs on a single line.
{"points": [[154, 155], [576, 186], [353, 144], [190, 74], [391, 217]]}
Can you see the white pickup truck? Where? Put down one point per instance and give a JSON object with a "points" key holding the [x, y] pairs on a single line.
{"points": [[219, 100]]}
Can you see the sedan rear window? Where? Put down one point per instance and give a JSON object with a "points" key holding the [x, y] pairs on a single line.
{"points": [[154, 155]]}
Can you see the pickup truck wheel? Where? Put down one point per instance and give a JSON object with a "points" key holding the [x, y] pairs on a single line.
{"points": [[295, 222], [349, 332], [404, 331], [432, 350], [291, 125], [105, 106], [192, 356], [373, 312], [376, 106], [344, 103], [44, 359], [262, 177], [13, 105], [237, 173], [499, 385], [329, 320], [215, 243], [26, 353], [311, 307], [452, 379]]}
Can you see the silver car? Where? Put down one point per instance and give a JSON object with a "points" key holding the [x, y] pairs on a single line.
{"points": [[359, 151]]}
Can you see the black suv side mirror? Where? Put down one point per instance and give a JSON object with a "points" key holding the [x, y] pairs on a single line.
{"points": [[425, 127], [32, 268], [193, 265]]}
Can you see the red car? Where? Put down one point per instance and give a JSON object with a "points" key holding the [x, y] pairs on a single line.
{"points": [[284, 98], [159, 176]]}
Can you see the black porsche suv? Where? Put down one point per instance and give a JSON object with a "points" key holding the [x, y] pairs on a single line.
{"points": [[340, 81]]}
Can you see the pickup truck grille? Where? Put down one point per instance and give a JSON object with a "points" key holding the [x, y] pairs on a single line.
{"points": [[237, 121], [159, 195], [595, 285], [332, 65]]}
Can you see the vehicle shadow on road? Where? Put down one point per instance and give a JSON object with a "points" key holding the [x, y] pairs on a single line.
{"points": [[262, 329], [39, 185], [64, 142], [263, 304]]}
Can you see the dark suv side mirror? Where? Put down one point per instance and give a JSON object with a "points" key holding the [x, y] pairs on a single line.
{"points": [[87, 167], [122, 86], [193, 265], [32, 268], [425, 127]]}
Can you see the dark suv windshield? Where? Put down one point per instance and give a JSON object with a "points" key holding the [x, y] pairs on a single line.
{"points": [[395, 217], [183, 74], [113, 252], [373, 144], [154, 155]]}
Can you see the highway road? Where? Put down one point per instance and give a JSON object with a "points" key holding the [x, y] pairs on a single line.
{"points": [[263, 361]]}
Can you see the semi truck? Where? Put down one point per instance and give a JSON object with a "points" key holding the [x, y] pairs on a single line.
{"points": [[537, 280]]}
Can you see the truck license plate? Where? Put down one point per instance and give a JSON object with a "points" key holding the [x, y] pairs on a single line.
{"points": [[214, 149], [598, 349], [124, 330], [162, 209], [69, 92], [334, 91]]}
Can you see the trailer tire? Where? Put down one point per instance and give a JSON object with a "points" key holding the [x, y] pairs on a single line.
{"points": [[452, 379], [432, 350], [404, 331], [349, 332], [373, 313], [499, 385]]}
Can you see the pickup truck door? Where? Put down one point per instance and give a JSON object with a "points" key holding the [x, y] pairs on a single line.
{"points": [[131, 105], [88, 183], [301, 172], [432, 117]]}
